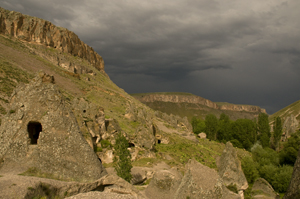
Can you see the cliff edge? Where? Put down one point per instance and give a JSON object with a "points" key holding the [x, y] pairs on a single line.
{"points": [[186, 104], [39, 31]]}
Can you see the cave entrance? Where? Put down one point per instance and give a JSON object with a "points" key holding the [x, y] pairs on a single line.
{"points": [[158, 141], [131, 145], [34, 129]]}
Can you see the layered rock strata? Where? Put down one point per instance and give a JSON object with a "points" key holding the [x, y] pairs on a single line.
{"points": [[193, 99], [39, 31]]}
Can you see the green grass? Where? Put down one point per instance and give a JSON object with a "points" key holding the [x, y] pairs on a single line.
{"points": [[10, 77], [293, 108], [181, 150], [146, 162]]}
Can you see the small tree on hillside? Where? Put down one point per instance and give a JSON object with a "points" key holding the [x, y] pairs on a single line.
{"points": [[122, 158], [264, 129], [211, 126], [277, 131]]}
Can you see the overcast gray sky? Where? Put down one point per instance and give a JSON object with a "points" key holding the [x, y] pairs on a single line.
{"points": [[237, 51]]}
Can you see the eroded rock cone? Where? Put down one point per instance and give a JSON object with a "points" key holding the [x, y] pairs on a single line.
{"points": [[262, 189], [164, 184], [230, 169], [40, 133], [200, 181]]}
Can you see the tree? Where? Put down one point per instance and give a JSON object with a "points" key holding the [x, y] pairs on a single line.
{"points": [[289, 153], [249, 169], [277, 131], [122, 158], [223, 133], [244, 131], [211, 124], [198, 125], [264, 129]]}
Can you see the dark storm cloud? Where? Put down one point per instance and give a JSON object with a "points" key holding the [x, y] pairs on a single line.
{"points": [[237, 51]]}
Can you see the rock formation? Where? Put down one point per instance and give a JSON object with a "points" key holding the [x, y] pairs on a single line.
{"points": [[293, 190], [35, 30], [91, 120], [202, 135], [262, 189], [164, 184], [40, 133], [289, 127], [230, 169], [109, 186], [202, 182], [193, 99]]}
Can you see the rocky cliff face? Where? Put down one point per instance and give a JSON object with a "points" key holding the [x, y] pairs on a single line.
{"points": [[39, 31], [193, 99], [186, 104]]}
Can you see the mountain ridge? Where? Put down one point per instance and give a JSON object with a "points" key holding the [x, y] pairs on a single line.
{"points": [[197, 102], [39, 31]]}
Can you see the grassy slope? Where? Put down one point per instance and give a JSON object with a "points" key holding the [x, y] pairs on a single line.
{"points": [[293, 108], [18, 64]]}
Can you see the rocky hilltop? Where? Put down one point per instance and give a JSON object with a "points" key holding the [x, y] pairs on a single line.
{"points": [[39, 31], [193, 104]]}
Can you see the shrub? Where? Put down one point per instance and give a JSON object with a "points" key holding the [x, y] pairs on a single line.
{"points": [[282, 178], [288, 156], [122, 158], [233, 188], [267, 172], [105, 143], [236, 143], [249, 168]]}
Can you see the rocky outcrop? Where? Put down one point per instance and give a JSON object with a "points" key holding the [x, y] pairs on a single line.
{"points": [[164, 184], [231, 171], [263, 190], [109, 186], [175, 121], [39, 31], [202, 135], [40, 133], [193, 99], [202, 182], [289, 127], [176, 99], [91, 120], [293, 190]]}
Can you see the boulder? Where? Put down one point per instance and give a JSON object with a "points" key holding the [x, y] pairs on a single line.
{"points": [[145, 137], [41, 133], [140, 174], [200, 181], [293, 190], [262, 189], [202, 135], [230, 169], [164, 184]]}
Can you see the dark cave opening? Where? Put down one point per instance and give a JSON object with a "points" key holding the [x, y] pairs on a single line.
{"points": [[34, 129]]}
